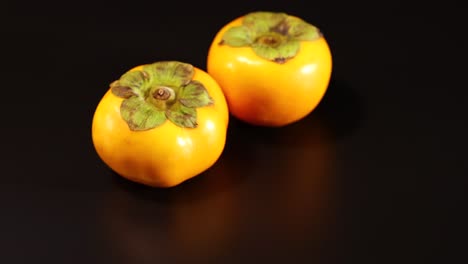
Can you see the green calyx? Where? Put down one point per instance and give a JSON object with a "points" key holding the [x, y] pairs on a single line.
{"points": [[272, 36], [158, 92]]}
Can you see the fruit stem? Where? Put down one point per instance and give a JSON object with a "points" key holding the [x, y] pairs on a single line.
{"points": [[271, 39], [161, 97]]}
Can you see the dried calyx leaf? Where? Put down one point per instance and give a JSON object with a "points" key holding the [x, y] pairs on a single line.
{"points": [[158, 92], [272, 36]]}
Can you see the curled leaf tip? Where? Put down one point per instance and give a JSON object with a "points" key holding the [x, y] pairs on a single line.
{"points": [[121, 91]]}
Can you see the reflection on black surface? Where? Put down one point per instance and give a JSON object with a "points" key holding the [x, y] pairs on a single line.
{"points": [[271, 195]]}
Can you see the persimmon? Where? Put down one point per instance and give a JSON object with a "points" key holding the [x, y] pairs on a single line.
{"points": [[161, 124], [273, 68]]}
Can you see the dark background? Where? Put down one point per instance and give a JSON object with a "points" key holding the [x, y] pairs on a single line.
{"points": [[376, 174]]}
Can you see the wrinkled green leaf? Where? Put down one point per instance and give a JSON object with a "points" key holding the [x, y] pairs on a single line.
{"points": [[262, 22], [300, 30], [182, 116], [237, 37], [130, 83], [140, 115], [280, 53], [133, 79], [194, 95], [121, 91], [169, 73]]}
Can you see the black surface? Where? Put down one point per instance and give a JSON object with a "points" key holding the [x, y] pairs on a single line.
{"points": [[377, 174]]}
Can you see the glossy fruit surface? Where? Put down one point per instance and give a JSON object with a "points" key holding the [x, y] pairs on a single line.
{"points": [[274, 68]]}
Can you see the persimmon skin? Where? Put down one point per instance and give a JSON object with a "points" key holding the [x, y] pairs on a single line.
{"points": [[267, 93]]}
